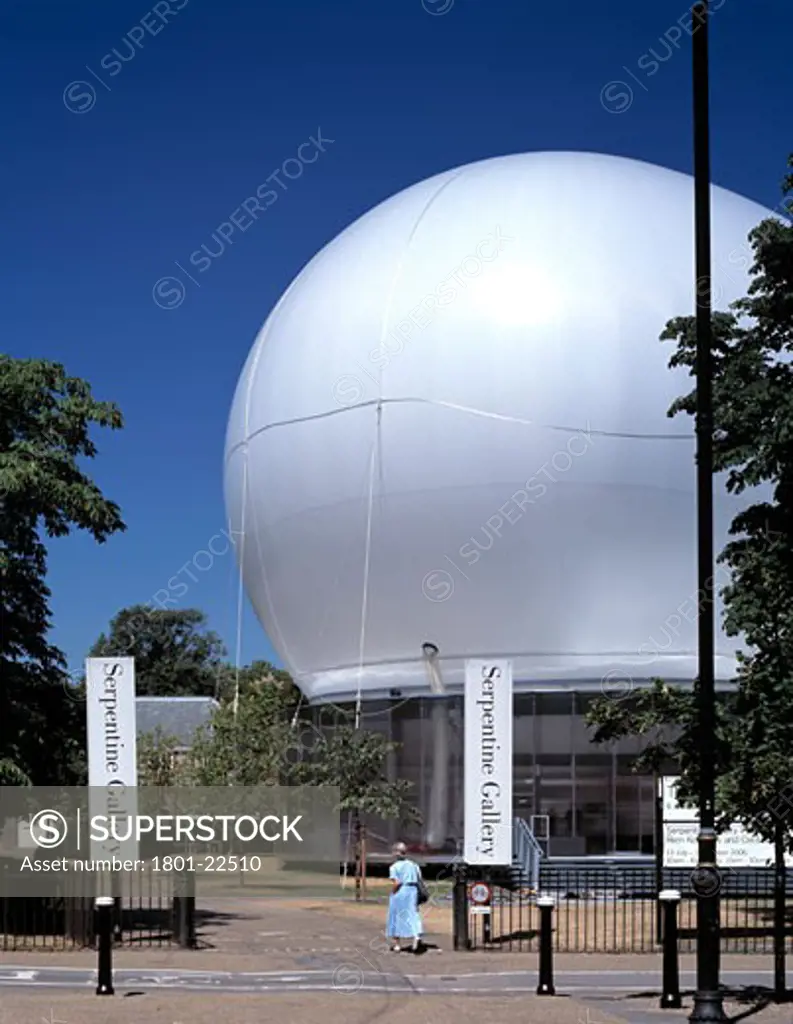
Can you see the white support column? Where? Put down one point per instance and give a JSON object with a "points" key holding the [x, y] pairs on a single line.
{"points": [[438, 817]]}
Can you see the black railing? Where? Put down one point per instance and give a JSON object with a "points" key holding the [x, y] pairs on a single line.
{"points": [[145, 914], [615, 910]]}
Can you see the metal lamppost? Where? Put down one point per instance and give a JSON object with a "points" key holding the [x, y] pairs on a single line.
{"points": [[708, 1000]]}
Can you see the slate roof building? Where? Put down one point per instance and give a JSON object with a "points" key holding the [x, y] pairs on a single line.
{"points": [[174, 716]]}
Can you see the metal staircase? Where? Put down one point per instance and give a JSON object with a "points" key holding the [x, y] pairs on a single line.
{"points": [[527, 855]]}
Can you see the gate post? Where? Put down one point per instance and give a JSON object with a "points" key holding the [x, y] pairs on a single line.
{"points": [[187, 936], [460, 907], [176, 917], [487, 918]]}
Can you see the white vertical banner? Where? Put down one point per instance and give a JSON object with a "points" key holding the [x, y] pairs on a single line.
{"points": [[488, 762], [112, 753]]}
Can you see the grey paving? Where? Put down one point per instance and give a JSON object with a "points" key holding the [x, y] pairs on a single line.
{"points": [[353, 977]]}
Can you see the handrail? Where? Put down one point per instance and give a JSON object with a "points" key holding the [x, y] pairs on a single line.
{"points": [[526, 851]]}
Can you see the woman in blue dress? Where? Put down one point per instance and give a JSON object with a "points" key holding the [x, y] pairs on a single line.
{"points": [[404, 919]]}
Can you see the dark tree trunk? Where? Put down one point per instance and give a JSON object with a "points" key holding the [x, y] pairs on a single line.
{"points": [[358, 851], [363, 861]]}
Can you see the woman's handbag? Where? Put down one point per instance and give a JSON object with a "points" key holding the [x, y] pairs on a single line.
{"points": [[423, 891]]}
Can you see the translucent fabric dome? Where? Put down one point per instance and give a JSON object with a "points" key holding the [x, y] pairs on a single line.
{"points": [[452, 430]]}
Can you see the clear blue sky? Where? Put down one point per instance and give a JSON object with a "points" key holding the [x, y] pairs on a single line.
{"points": [[101, 203]]}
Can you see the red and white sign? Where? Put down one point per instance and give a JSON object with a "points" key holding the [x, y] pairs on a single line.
{"points": [[481, 893]]}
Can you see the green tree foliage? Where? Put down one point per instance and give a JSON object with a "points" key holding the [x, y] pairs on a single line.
{"points": [[267, 739], [355, 760], [250, 743], [666, 718], [45, 419], [175, 654], [158, 760], [753, 445], [11, 775], [251, 677]]}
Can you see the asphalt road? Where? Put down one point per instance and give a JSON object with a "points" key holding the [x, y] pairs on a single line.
{"points": [[347, 978]]}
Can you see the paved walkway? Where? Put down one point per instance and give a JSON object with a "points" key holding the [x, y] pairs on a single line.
{"points": [[357, 977], [58, 995], [300, 1008], [271, 935], [310, 953]]}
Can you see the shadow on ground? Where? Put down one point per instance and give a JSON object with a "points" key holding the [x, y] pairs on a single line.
{"points": [[752, 998]]}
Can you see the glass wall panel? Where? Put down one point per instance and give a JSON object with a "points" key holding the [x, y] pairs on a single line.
{"points": [[554, 795], [595, 805], [635, 809], [554, 723], [581, 734], [593, 790], [407, 730], [415, 726], [647, 789], [524, 757], [456, 792]]}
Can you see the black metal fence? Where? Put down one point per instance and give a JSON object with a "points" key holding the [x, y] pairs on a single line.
{"points": [[151, 909], [617, 911]]}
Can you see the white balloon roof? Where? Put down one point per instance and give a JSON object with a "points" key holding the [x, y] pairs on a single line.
{"points": [[452, 429]]}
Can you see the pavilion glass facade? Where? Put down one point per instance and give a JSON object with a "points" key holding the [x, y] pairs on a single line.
{"points": [[585, 794]]}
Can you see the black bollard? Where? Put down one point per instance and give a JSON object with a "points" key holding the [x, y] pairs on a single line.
{"points": [[545, 987], [104, 929], [460, 908], [670, 997]]}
